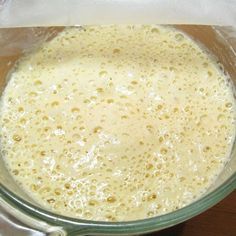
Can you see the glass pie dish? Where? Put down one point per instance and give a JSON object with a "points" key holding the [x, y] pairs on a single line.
{"points": [[20, 211]]}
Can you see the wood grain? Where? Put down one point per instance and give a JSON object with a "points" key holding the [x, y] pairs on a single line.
{"points": [[219, 220]]}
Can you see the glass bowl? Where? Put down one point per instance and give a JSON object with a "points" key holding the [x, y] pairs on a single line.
{"points": [[19, 210]]}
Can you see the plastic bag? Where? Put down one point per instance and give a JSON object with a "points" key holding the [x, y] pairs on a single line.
{"points": [[21, 13]]}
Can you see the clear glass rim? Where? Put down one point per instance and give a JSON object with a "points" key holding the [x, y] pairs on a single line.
{"points": [[138, 226]]}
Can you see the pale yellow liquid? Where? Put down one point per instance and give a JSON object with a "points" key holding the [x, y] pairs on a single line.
{"points": [[117, 122]]}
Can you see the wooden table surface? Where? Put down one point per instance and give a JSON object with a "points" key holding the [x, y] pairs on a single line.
{"points": [[219, 220]]}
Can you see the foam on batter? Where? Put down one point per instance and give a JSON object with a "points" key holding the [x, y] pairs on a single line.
{"points": [[117, 123]]}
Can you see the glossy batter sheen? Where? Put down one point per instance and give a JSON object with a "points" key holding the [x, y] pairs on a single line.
{"points": [[116, 122]]}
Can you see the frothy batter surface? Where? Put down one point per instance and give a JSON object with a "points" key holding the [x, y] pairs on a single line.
{"points": [[116, 122]]}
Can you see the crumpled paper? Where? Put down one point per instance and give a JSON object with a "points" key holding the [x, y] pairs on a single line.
{"points": [[27, 13]]}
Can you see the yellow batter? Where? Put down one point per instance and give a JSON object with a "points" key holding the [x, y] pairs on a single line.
{"points": [[116, 122]]}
